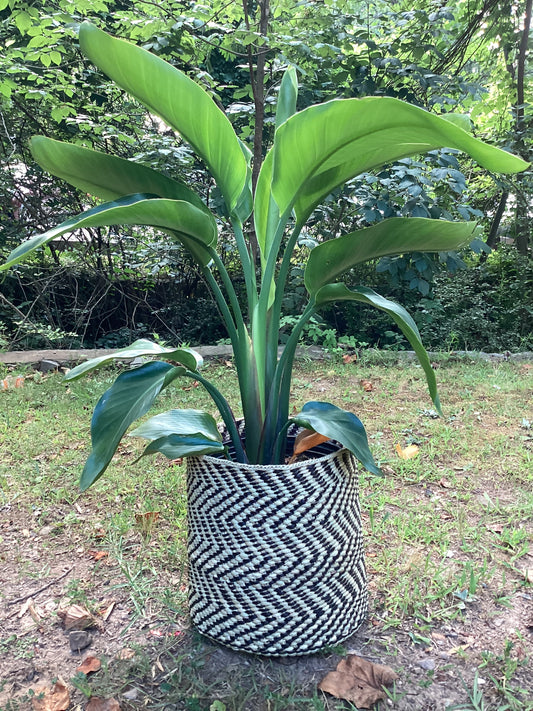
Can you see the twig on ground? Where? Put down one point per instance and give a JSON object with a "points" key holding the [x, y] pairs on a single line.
{"points": [[40, 590]]}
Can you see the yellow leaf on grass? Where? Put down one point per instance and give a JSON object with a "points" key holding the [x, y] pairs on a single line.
{"points": [[408, 453]]}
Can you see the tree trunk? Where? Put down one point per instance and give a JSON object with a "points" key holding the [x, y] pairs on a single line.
{"points": [[257, 80], [522, 221]]}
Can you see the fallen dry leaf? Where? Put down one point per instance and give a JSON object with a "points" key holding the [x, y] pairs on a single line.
{"points": [[349, 358], [358, 681], [97, 555], [36, 613], [126, 653], [444, 483], [55, 699], [409, 452], [89, 664], [107, 611], [76, 617], [366, 385], [145, 522], [306, 439], [98, 704], [24, 608], [494, 527]]}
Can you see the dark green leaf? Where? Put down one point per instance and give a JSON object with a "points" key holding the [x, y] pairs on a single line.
{"points": [[340, 292], [182, 422], [341, 425], [131, 396], [174, 446]]}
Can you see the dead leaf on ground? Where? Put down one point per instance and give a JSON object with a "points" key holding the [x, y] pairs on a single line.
{"points": [[494, 527], [97, 555], [409, 452], [358, 681], [349, 358], [76, 617], [98, 704], [306, 439], [24, 607], [146, 522], [55, 699], [366, 385], [106, 611], [89, 664], [126, 653]]}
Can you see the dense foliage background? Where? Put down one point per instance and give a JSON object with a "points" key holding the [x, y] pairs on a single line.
{"points": [[106, 287]]}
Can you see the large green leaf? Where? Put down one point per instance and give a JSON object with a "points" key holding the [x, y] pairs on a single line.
{"points": [[142, 347], [323, 146], [341, 425], [287, 97], [181, 433], [194, 228], [178, 100], [131, 396], [104, 176], [174, 446], [396, 235], [182, 422], [340, 292], [266, 211]]}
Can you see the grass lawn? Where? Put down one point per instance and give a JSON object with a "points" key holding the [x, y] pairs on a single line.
{"points": [[448, 543]]}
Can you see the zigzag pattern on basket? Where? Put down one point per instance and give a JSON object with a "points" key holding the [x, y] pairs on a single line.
{"points": [[275, 553]]}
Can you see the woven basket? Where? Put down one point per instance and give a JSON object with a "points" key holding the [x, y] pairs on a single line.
{"points": [[276, 562]]}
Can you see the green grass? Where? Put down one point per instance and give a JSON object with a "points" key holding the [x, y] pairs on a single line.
{"points": [[448, 533]]}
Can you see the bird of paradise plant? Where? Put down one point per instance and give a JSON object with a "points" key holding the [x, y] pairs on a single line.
{"points": [[313, 152]]}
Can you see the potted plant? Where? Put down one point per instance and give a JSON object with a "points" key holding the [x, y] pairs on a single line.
{"points": [[275, 552]]}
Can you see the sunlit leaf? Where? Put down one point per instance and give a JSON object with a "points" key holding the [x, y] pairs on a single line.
{"points": [[142, 347], [194, 228], [178, 100], [323, 146], [105, 176], [397, 235]]}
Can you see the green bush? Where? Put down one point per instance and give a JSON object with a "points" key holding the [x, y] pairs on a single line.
{"points": [[487, 307]]}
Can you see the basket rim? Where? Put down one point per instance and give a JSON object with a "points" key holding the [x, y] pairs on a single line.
{"points": [[243, 466]]}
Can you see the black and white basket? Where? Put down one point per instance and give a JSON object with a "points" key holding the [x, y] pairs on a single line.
{"points": [[276, 562]]}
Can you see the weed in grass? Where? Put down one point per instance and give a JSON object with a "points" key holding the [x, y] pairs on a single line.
{"points": [[476, 702], [20, 647], [515, 540], [76, 593]]}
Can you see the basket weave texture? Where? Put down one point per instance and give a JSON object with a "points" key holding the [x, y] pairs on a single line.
{"points": [[276, 562]]}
